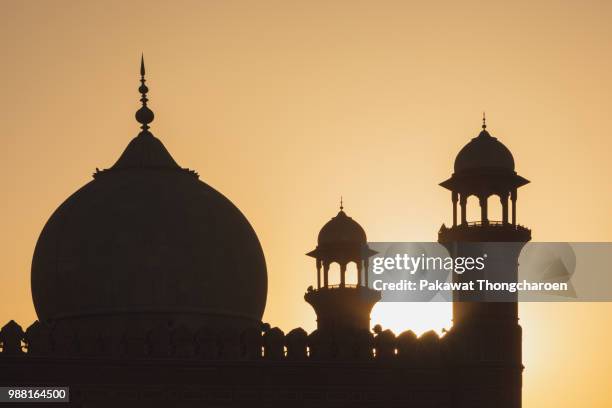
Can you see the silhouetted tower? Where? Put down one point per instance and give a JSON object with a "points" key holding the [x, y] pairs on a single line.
{"points": [[486, 334], [342, 306]]}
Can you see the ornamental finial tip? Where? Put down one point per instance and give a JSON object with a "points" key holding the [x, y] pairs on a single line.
{"points": [[144, 115]]}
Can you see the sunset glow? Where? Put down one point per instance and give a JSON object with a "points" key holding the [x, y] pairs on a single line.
{"points": [[286, 106]]}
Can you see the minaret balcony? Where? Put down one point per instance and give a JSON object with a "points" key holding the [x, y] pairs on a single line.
{"points": [[484, 231]]}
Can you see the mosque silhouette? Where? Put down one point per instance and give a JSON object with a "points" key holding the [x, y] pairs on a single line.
{"points": [[150, 286]]}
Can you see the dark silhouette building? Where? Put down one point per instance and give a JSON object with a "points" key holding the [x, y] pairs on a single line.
{"points": [[150, 286]]}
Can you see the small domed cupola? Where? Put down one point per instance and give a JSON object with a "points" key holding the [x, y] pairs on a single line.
{"points": [[342, 240], [484, 168], [342, 229], [484, 153]]}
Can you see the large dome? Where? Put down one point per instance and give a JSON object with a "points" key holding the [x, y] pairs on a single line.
{"points": [[147, 240], [484, 152]]}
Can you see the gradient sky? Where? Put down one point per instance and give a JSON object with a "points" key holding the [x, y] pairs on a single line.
{"points": [[284, 106]]}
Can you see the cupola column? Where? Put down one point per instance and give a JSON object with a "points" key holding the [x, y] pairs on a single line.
{"points": [[455, 198], [503, 198], [319, 264], [463, 204], [484, 217], [513, 199], [343, 274], [359, 271], [325, 274]]}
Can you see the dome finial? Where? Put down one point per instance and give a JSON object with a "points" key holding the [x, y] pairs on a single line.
{"points": [[484, 121], [341, 204], [144, 115]]}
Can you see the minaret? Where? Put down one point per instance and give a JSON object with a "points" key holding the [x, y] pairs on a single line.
{"points": [[486, 335], [342, 306]]}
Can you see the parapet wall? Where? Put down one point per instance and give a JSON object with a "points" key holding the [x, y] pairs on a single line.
{"points": [[42, 340], [179, 367]]}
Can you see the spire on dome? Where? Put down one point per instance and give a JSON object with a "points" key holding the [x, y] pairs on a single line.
{"points": [[484, 133], [341, 204], [144, 115], [145, 150]]}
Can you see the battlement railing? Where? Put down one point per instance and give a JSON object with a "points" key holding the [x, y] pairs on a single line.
{"points": [[490, 223], [163, 342], [339, 286]]}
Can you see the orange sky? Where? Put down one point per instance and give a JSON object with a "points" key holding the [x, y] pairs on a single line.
{"points": [[284, 106]]}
